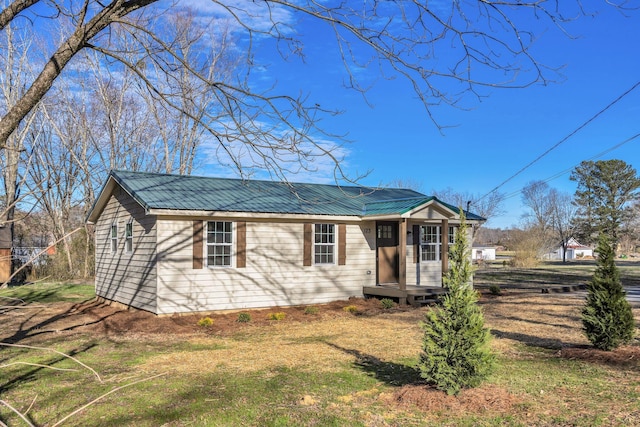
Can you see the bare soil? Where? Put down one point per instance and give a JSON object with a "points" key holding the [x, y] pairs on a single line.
{"points": [[544, 320]]}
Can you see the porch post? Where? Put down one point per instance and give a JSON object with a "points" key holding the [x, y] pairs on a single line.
{"points": [[444, 239], [402, 255]]}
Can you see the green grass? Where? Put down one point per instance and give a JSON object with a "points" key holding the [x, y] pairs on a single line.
{"points": [[222, 398], [49, 293], [272, 397], [550, 273], [550, 390]]}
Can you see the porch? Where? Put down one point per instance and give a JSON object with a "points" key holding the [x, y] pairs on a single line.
{"points": [[413, 294]]}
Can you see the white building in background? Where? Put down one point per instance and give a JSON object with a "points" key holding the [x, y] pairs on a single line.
{"points": [[484, 253], [574, 250]]}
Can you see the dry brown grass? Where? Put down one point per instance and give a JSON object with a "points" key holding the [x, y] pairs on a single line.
{"points": [[322, 341], [332, 340]]}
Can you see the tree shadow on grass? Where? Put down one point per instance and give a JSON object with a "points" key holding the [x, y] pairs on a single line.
{"points": [[25, 331], [532, 340], [394, 374], [31, 373]]}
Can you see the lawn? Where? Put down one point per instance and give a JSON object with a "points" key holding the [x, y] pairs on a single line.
{"points": [[321, 367], [550, 274]]}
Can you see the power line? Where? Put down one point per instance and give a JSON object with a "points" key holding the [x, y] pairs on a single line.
{"points": [[559, 174], [578, 129]]}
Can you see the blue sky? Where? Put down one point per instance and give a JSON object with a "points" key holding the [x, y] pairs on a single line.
{"points": [[498, 135]]}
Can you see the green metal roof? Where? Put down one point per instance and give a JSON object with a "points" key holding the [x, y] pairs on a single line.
{"points": [[193, 193], [398, 206]]}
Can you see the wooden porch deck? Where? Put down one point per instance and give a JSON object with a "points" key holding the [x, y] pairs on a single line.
{"points": [[414, 294]]}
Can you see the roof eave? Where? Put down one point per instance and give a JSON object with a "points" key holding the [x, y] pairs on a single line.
{"points": [[249, 215], [101, 201], [106, 192]]}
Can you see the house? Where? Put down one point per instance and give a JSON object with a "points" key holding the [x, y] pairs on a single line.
{"points": [[5, 253], [483, 253], [574, 250], [174, 244]]}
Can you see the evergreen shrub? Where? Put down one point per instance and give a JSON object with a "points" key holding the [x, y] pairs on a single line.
{"points": [[455, 346], [607, 318]]}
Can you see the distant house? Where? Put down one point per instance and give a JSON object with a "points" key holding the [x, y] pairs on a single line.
{"points": [[484, 253], [574, 250], [174, 244], [5, 253]]}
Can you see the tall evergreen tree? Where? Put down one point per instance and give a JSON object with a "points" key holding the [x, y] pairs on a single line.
{"points": [[607, 317], [455, 347], [605, 190]]}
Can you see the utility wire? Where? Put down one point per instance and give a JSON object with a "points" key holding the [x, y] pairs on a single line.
{"points": [[578, 129], [559, 174]]}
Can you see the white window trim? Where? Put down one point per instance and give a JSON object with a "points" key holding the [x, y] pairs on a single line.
{"points": [[224, 244], [113, 237], [452, 234], [128, 239], [437, 244], [333, 245]]}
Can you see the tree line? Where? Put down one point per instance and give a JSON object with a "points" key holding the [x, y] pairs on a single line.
{"points": [[142, 85], [97, 118], [606, 200]]}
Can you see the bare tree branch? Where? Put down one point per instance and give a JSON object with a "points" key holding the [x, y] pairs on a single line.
{"points": [[14, 9], [82, 408], [66, 356], [59, 60]]}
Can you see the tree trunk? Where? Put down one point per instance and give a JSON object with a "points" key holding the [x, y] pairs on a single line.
{"points": [[52, 69]]}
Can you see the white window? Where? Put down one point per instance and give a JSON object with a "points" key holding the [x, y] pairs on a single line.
{"points": [[430, 242], [324, 248], [128, 236], [219, 243], [114, 237]]}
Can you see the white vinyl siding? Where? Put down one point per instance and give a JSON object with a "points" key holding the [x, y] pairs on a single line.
{"points": [[273, 275], [128, 278]]}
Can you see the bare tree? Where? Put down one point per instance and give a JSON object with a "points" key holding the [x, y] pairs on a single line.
{"points": [[15, 64], [487, 43], [210, 52], [97, 121], [123, 134], [562, 211], [535, 196], [487, 206], [56, 176], [538, 219], [410, 183], [550, 215]]}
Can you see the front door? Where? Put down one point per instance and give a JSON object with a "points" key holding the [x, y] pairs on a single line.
{"points": [[387, 252]]}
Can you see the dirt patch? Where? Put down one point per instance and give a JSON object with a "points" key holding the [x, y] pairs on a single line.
{"points": [[28, 321], [227, 323], [478, 400], [624, 356]]}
